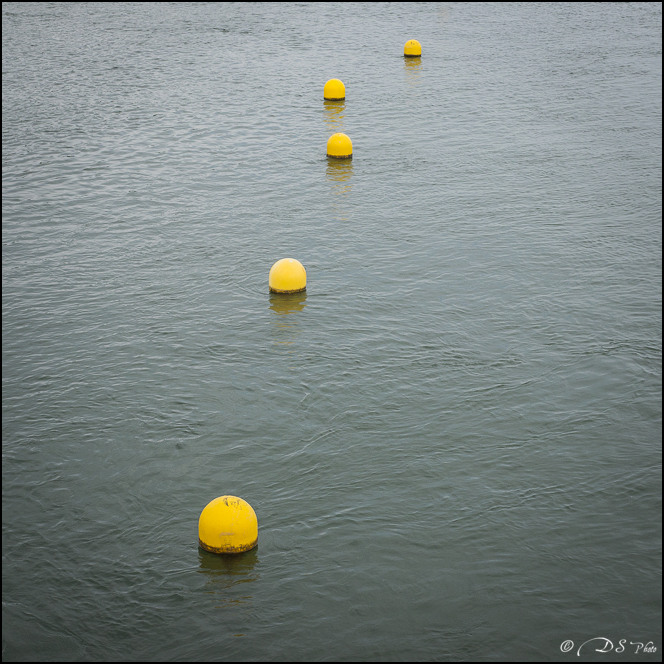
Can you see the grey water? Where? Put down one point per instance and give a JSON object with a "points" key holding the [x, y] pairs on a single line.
{"points": [[451, 439]]}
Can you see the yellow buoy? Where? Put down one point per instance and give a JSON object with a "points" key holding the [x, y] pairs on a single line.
{"points": [[228, 525], [334, 90], [287, 276], [412, 49], [339, 146]]}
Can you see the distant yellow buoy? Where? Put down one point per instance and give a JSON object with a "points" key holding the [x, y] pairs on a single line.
{"points": [[339, 146], [287, 276], [228, 525], [334, 90], [412, 49]]}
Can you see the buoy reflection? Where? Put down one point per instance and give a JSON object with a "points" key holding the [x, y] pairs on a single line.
{"points": [[227, 574], [334, 114], [413, 69], [339, 170], [339, 174], [287, 303], [286, 307]]}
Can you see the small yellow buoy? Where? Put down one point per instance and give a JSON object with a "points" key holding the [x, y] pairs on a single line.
{"points": [[339, 146], [412, 49], [228, 525], [287, 276], [334, 90]]}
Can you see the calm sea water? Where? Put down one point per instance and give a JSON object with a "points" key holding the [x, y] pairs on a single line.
{"points": [[452, 439]]}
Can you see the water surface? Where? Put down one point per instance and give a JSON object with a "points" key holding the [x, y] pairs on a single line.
{"points": [[452, 439]]}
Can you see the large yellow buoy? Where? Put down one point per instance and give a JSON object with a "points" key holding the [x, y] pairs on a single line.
{"points": [[412, 49], [228, 525], [334, 90], [339, 146], [287, 276]]}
